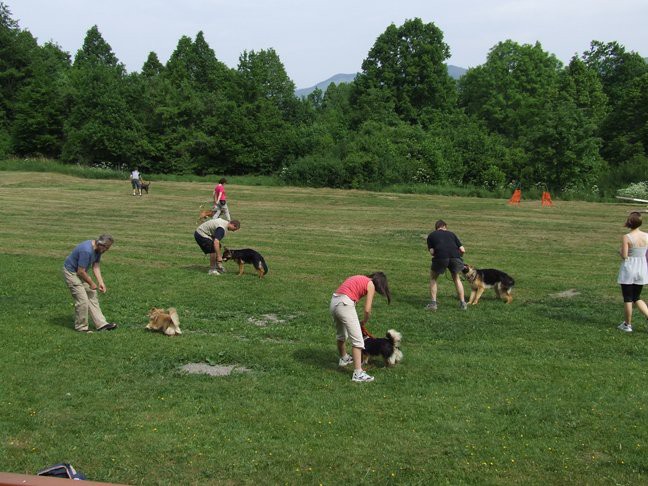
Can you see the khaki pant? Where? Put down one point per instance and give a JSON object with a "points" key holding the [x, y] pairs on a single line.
{"points": [[85, 301], [221, 209], [347, 324]]}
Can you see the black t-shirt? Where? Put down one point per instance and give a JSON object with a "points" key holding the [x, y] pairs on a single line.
{"points": [[445, 244]]}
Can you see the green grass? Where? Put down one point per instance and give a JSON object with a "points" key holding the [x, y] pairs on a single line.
{"points": [[542, 391]]}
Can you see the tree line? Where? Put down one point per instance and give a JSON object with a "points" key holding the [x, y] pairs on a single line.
{"points": [[521, 117]]}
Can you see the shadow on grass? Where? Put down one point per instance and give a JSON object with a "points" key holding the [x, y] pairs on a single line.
{"points": [[317, 358], [418, 301], [197, 268], [66, 321]]}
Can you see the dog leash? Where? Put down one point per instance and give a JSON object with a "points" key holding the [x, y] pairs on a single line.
{"points": [[365, 333]]}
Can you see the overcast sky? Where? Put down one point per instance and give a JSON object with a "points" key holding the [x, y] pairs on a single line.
{"points": [[316, 40]]}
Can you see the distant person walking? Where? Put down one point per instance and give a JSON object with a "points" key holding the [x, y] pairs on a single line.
{"points": [[346, 321], [446, 251], [220, 201], [209, 236], [82, 287], [136, 182], [633, 274]]}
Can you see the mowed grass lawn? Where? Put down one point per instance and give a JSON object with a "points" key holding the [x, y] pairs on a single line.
{"points": [[542, 391]]}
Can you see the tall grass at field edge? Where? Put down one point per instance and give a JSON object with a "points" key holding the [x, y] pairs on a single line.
{"points": [[77, 170]]}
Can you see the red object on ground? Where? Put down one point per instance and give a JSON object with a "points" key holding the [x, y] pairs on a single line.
{"points": [[546, 199], [515, 198]]}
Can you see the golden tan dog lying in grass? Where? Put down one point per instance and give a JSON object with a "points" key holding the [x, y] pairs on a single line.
{"points": [[166, 321]]}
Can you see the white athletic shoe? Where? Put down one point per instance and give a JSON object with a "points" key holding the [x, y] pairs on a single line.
{"points": [[345, 360], [362, 377], [213, 271], [624, 327]]}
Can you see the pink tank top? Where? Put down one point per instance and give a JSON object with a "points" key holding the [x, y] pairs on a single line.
{"points": [[354, 287], [219, 188]]}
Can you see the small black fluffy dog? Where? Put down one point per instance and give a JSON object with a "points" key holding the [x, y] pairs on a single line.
{"points": [[387, 347], [246, 255], [484, 278]]}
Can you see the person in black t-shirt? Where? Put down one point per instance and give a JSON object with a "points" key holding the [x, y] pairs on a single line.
{"points": [[446, 251]]}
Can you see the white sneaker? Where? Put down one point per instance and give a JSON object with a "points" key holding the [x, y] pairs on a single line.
{"points": [[624, 327], [213, 271], [345, 360], [362, 377]]}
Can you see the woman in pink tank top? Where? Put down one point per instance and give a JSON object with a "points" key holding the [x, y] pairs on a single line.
{"points": [[347, 324]]}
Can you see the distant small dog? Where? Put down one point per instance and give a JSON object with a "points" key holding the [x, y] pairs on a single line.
{"points": [[145, 186], [484, 278], [205, 214], [247, 255], [387, 347], [166, 321]]}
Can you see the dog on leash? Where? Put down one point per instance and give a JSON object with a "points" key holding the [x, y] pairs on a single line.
{"points": [[387, 347], [145, 186], [246, 255], [481, 279], [165, 321], [205, 214]]}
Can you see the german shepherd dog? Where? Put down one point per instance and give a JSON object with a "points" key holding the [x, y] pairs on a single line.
{"points": [[387, 347], [166, 321], [484, 278], [246, 255]]}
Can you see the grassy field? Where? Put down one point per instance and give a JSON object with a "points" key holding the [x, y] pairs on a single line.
{"points": [[544, 390]]}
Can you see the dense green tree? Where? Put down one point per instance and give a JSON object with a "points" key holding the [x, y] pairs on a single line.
{"points": [[263, 76], [549, 116], [406, 66], [101, 127], [511, 90], [618, 70], [41, 108], [616, 67], [17, 50], [152, 67]]}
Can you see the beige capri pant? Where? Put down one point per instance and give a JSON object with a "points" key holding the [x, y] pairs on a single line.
{"points": [[347, 324]]}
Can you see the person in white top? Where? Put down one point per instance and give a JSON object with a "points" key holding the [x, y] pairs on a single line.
{"points": [[135, 179], [633, 274]]}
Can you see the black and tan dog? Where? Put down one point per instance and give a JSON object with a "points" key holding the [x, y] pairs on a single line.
{"points": [[484, 278], [246, 255], [145, 186], [387, 347]]}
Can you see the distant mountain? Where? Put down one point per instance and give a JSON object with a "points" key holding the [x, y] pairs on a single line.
{"points": [[337, 79], [454, 71]]}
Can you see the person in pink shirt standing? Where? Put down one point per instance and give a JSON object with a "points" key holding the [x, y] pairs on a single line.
{"points": [[346, 319], [220, 201]]}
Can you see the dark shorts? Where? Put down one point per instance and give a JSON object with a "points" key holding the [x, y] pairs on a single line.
{"points": [[631, 293], [205, 244], [439, 265], [136, 183]]}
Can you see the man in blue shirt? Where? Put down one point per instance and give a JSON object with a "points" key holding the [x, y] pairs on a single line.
{"points": [[83, 287]]}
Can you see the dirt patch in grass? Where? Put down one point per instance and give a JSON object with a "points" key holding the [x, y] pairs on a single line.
{"points": [[566, 294], [265, 320], [213, 370]]}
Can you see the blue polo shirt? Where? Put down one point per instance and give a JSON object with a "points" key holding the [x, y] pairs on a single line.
{"points": [[83, 256]]}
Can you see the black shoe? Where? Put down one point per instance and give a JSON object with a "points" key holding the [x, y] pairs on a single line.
{"points": [[108, 327]]}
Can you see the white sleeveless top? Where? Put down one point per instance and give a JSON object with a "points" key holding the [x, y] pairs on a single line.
{"points": [[634, 269]]}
